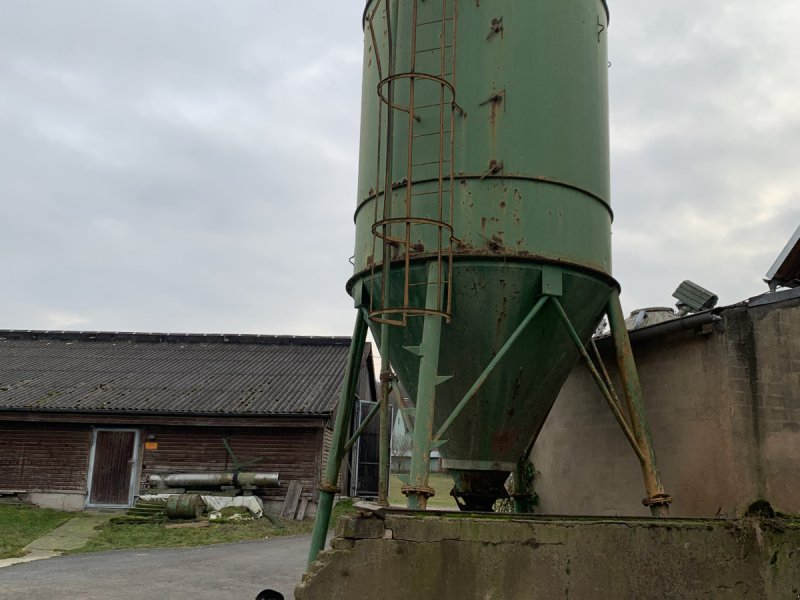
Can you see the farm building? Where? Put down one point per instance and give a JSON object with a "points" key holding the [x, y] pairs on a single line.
{"points": [[87, 417]]}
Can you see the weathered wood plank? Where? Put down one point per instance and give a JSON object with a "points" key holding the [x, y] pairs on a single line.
{"points": [[292, 498], [301, 511]]}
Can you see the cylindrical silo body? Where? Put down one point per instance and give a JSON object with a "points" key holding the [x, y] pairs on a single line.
{"points": [[489, 121]]}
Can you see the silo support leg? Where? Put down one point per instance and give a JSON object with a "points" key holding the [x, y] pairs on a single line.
{"points": [[344, 413], [385, 424], [604, 383], [657, 499], [418, 489]]}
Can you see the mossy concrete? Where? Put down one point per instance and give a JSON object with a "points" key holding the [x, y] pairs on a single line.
{"points": [[398, 555]]}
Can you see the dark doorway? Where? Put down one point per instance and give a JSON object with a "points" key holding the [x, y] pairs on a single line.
{"points": [[112, 467], [365, 458]]}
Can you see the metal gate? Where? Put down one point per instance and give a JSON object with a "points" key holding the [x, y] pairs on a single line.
{"points": [[113, 467], [365, 456]]}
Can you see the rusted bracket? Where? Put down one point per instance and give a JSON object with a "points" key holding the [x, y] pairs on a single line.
{"points": [[658, 500], [428, 492], [495, 167], [496, 27], [327, 487], [601, 28], [495, 98]]}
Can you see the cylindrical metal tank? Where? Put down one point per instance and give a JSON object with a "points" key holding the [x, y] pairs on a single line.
{"points": [[185, 506], [489, 122], [214, 479]]}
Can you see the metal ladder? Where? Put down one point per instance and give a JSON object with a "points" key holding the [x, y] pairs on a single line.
{"points": [[420, 103]]}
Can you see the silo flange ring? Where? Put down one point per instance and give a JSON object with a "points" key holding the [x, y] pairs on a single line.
{"points": [[420, 490], [333, 489], [658, 500]]}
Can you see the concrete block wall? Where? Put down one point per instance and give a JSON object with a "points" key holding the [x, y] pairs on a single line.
{"points": [[453, 557], [724, 411]]}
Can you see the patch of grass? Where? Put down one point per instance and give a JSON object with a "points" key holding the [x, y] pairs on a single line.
{"points": [[341, 509], [441, 482], [20, 525], [153, 534], [116, 536]]}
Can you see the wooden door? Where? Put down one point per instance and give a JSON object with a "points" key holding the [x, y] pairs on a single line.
{"points": [[113, 467]]}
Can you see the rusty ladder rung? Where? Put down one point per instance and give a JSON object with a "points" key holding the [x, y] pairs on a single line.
{"points": [[436, 192], [433, 162], [431, 105], [428, 283], [436, 21], [430, 134], [439, 30], [440, 48]]}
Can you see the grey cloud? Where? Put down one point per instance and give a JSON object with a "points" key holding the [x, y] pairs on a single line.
{"points": [[185, 166], [704, 145], [178, 166]]}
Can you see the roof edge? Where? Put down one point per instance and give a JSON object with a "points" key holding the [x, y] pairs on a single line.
{"points": [[165, 413], [183, 338]]}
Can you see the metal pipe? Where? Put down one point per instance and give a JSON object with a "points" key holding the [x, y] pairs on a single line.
{"points": [[489, 368], [370, 415], [258, 479], [657, 500], [600, 383], [604, 372], [218, 479], [344, 412], [385, 425], [690, 322], [418, 491]]}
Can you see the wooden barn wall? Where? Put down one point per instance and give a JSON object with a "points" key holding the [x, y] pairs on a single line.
{"points": [[294, 453], [327, 444], [50, 458]]}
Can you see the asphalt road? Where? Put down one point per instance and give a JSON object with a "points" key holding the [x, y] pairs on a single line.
{"points": [[209, 572]]}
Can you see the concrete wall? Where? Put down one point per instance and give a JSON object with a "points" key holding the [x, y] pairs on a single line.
{"points": [[456, 557], [71, 501], [724, 411]]}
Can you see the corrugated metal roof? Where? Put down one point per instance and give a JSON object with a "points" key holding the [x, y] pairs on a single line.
{"points": [[170, 373]]}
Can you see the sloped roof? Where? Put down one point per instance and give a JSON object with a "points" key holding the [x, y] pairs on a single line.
{"points": [[170, 373]]}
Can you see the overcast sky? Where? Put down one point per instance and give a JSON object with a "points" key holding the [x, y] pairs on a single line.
{"points": [[171, 165]]}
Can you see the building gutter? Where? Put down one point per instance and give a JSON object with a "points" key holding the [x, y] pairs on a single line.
{"points": [[687, 323]]}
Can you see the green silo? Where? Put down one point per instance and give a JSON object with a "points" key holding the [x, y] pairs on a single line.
{"points": [[483, 224]]}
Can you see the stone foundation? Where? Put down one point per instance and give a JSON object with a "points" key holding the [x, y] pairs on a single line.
{"points": [[448, 556], [73, 502]]}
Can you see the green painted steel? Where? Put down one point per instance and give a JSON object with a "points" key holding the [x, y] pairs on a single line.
{"points": [[508, 143], [657, 500], [549, 129], [344, 410]]}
